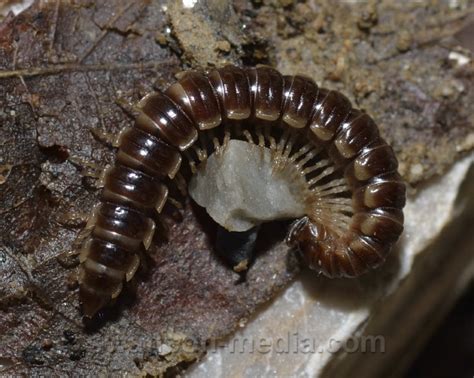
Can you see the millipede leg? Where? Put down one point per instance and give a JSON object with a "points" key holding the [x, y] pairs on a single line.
{"points": [[260, 136], [248, 136], [88, 168], [200, 153], [191, 160], [175, 203], [226, 138], [103, 176], [107, 138], [181, 184], [269, 137], [128, 107], [86, 231]]}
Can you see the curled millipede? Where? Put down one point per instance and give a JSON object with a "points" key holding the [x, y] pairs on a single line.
{"points": [[353, 194]]}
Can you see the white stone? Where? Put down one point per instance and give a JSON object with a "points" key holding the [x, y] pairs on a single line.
{"points": [[164, 350], [240, 190]]}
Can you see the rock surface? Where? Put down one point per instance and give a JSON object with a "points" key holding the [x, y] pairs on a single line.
{"points": [[239, 188], [373, 325]]}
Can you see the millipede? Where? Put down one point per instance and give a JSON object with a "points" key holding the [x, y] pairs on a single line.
{"points": [[353, 195]]}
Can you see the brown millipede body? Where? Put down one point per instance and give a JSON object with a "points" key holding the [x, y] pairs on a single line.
{"points": [[353, 198]]}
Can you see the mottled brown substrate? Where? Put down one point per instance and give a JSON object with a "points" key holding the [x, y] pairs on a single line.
{"points": [[62, 70]]}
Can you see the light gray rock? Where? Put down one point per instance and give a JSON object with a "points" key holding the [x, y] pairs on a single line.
{"points": [[373, 325], [240, 190]]}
